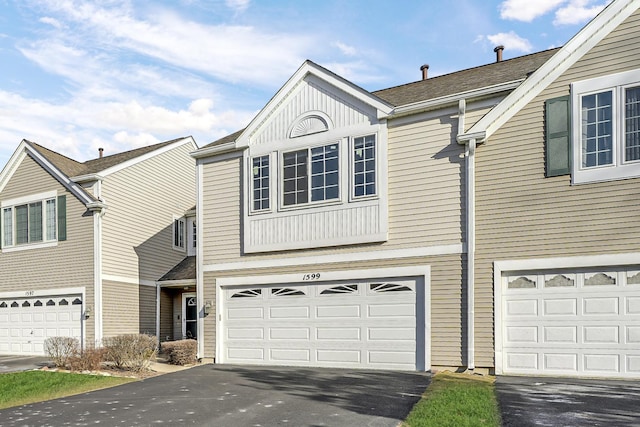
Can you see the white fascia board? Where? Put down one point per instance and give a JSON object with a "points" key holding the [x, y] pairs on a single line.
{"points": [[142, 158], [87, 178], [606, 21], [453, 99], [176, 283], [308, 67], [215, 150]]}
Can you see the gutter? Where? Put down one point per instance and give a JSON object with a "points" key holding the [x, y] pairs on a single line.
{"points": [[216, 149]]}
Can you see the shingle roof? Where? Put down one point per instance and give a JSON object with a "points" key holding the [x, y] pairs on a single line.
{"points": [[465, 80], [71, 167], [185, 270], [452, 83]]}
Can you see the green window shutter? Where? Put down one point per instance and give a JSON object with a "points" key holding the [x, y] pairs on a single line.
{"points": [[558, 136], [62, 218]]}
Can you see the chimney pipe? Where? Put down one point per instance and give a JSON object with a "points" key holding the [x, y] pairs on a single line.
{"points": [[424, 69], [498, 50], [100, 151]]}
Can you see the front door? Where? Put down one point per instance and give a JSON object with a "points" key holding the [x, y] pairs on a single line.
{"points": [[189, 316]]}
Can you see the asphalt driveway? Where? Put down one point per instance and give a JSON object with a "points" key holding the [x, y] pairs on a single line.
{"points": [[226, 395], [527, 401], [21, 363]]}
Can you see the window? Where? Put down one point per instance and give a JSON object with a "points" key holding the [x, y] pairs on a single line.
{"points": [[322, 183], [364, 166], [606, 127], [194, 231], [178, 233], [26, 222], [260, 183]]}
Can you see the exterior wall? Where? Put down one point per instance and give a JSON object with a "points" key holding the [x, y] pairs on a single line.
{"points": [[446, 296], [426, 169], [147, 301], [166, 315], [122, 308], [142, 200], [521, 214], [67, 265]]}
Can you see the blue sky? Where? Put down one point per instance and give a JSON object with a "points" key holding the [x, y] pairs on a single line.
{"points": [[77, 75]]}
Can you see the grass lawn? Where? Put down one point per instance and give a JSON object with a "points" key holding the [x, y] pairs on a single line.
{"points": [[456, 400], [20, 388]]}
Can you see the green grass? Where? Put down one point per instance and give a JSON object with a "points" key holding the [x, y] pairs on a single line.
{"points": [[20, 388], [456, 400]]}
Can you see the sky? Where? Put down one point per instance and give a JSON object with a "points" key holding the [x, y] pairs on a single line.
{"points": [[77, 75]]}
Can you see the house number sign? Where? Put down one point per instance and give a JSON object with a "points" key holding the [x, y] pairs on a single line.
{"points": [[311, 276], [29, 293]]}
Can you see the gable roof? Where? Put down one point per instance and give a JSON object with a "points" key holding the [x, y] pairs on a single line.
{"points": [[596, 30], [488, 75], [64, 168], [184, 270]]}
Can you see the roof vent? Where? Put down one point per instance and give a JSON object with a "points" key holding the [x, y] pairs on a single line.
{"points": [[100, 151], [498, 50], [425, 70]]}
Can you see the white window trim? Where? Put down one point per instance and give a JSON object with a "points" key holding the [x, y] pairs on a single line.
{"points": [[180, 219], [352, 168], [311, 204], [619, 169], [25, 200]]}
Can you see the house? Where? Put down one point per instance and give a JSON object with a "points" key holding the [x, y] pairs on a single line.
{"points": [[83, 243], [479, 220]]}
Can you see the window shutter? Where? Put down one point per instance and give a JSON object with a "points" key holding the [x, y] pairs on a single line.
{"points": [[62, 218], [558, 136]]}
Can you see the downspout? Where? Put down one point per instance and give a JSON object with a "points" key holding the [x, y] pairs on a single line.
{"points": [[469, 154], [471, 250]]}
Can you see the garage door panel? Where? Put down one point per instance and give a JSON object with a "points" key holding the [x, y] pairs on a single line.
{"points": [[588, 325], [35, 319], [327, 324], [245, 313]]}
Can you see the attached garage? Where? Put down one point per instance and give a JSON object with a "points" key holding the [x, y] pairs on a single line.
{"points": [[357, 323], [25, 322], [581, 322]]}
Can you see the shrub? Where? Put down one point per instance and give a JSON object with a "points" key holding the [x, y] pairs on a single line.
{"points": [[182, 352], [89, 359], [61, 349], [131, 351]]}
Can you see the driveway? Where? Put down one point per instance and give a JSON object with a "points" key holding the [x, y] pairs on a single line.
{"points": [[21, 363], [226, 395], [527, 401]]}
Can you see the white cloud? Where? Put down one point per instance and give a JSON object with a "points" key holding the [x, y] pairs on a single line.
{"points": [[51, 21], [577, 12], [238, 6], [511, 42], [346, 49], [527, 10]]}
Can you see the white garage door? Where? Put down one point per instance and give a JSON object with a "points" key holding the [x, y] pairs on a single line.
{"points": [[26, 322], [347, 324], [575, 323]]}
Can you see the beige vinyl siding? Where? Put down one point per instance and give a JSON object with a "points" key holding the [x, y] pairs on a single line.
{"points": [[141, 200], [446, 299], [177, 318], [67, 265], [425, 203], [521, 214], [147, 300], [166, 315], [121, 313]]}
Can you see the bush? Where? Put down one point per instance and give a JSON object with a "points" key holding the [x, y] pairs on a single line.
{"points": [[131, 351], [61, 349], [89, 359], [182, 352]]}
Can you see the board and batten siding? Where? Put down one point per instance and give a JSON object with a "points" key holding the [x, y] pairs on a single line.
{"points": [[522, 215], [138, 225], [69, 264], [426, 170], [447, 316]]}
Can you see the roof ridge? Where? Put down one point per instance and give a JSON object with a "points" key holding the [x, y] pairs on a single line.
{"points": [[145, 148]]}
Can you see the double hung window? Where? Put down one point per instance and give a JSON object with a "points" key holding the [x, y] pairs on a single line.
{"points": [[364, 166], [178, 233]]}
